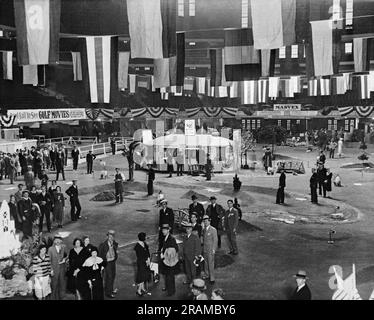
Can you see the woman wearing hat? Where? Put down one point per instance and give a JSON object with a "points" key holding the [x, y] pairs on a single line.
{"points": [[302, 292], [198, 287], [143, 262]]}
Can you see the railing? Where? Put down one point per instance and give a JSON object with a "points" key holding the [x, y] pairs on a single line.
{"points": [[71, 140]]}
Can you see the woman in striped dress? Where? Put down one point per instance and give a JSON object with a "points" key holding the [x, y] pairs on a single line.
{"points": [[41, 267]]}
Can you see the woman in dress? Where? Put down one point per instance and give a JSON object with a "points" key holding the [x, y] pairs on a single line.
{"points": [[328, 182], [76, 260], [143, 262], [91, 275], [14, 213], [33, 195], [41, 268], [87, 247], [58, 207]]}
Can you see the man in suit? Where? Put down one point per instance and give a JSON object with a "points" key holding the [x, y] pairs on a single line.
{"points": [[108, 252], [322, 157], [168, 244], [89, 160], [282, 185], [58, 255], [72, 192], [166, 217], [45, 205], [313, 186], [231, 221], [196, 207], [75, 157], [169, 161], [210, 242], [118, 186], [113, 145], [191, 250], [322, 173], [216, 212], [302, 292], [60, 162]]}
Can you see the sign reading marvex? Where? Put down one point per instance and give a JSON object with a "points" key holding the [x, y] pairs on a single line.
{"points": [[287, 107], [36, 115]]}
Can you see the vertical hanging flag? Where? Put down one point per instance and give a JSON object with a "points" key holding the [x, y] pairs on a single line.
{"points": [[263, 90], [7, 61], [200, 85], [77, 66], [273, 23], [161, 72], [248, 92], [30, 74], [145, 28], [123, 69], [132, 81], [267, 62], [189, 83], [361, 54], [38, 26], [242, 61], [173, 70], [325, 86], [312, 87], [234, 89], [273, 87], [322, 47], [180, 58], [215, 67], [169, 27], [98, 60]]}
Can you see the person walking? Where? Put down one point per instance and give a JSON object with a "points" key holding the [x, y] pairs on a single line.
{"points": [[267, 159], [191, 252], [166, 217], [313, 186], [118, 186], [302, 291], [42, 271], [108, 252], [58, 201], [216, 213], [90, 157], [180, 162], [169, 257], [45, 204], [75, 206], [332, 147], [60, 162], [76, 259], [282, 185], [75, 157], [12, 169], [197, 207], [58, 254], [210, 242], [230, 222], [143, 262]]}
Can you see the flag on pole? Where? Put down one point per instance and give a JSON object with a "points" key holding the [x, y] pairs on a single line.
{"points": [[38, 27], [7, 61], [346, 288], [98, 60], [77, 66]]}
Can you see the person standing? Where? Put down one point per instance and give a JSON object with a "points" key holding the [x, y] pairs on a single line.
{"points": [[58, 201], [14, 213], [76, 259], [42, 270], [197, 207], [332, 147], [108, 252], [44, 178], [208, 168], [237, 207], [340, 147], [151, 178], [169, 161], [321, 173], [210, 241], [12, 169], [328, 184], [45, 204], [302, 291], [218, 294], [46, 158], [22, 162], [118, 186], [60, 162], [75, 157], [29, 178], [191, 251], [313, 186], [143, 262], [18, 194], [231, 220], [58, 254], [169, 257], [196, 227], [129, 152], [180, 163], [282, 185], [72, 192], [267, 159], [89, 160], [53, 157], [38, 164], [27, 212], [216, 213], [322, 157], [113, 145], [52, 188], [166, 217]]}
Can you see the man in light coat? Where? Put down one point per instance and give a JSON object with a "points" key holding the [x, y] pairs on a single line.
{"points": [[231, 220], [210, 242]]}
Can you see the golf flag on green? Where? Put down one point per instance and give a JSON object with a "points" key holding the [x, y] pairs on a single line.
{"points": [[346, 288], [38, 26]]}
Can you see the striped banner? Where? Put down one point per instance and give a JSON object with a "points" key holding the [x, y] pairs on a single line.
{"points": [[92, 114], [98, 59], [344, 111], [7, 61], [172, 111], [364, 111], [8, 121], [212, 111], [107, 113], [192, 111], [155, 112], [230, 111], [137, 112]]}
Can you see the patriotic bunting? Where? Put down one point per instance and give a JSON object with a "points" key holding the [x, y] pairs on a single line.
{"points": [[92, 114], [364, 111], [172, 111], [8, 121], [107, 113], [192, 111], [138, 112], [230, 111], [212, 111]]}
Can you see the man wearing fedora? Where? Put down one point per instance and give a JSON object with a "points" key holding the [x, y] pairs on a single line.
{"points": [[72, 192], [108, 252], [210, 242], [282, 185], [230, 222], [197, 288], [216, 212], [169, 257], [302, 292], [196, 207], [58, 255], [166, 217], [191, 251]]}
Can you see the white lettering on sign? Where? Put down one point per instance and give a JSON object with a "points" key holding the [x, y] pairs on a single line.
{"points": [[35, 17], [48, 114], [278, 107]]}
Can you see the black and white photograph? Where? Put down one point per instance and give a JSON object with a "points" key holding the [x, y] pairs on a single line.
{"points": [[183, 150]]}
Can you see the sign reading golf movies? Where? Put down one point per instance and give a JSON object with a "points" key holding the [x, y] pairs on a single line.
{"points": [[36, 115]]}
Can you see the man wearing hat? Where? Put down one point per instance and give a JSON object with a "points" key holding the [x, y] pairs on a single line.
{"points": [[169, 257], [196, 207], [216, 212], [302, 292], [210, 241], [322, 177], [191, 251], [118, 186], [72, 192], [58, 255], [26, 211], [108, 252], [197, 288], [313, 182], [282, 185], [230, 223], [166, 217]]}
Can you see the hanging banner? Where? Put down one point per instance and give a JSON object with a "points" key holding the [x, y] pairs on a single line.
{"points": [[189, 127], [287, 107], [237, 145], [36, 115]]}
